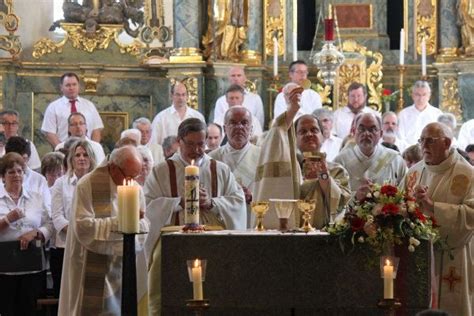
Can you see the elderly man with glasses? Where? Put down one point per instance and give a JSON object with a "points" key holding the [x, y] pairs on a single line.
{"points": [[221, 199], [442, 183], [368, 161]]}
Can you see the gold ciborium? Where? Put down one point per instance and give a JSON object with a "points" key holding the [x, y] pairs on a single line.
{"points": [[284, 208], [306, 207], [260, 208]]}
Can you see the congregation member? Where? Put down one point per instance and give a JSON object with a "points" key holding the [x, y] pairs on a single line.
{"points": [[466, 134], [131, 134], [170, 146], [77, 127], [443, 185], [368, 161], [326, 182], [390, 127], [450, 121], [80, 162], [310, 100], [331, 143], [10, 120], [221, 200], [147, 164], [412, 119], [278, 174], [412, 155], [32, 180], [214, 136], [55, 121], [235, 96], [93, 248], [167, 121], [24, 217], [251, 101], [144, 126], [239, 154], [52, 167], [356, 103]]}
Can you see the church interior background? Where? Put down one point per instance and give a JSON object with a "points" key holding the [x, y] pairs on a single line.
{"points": [[128, 56]]}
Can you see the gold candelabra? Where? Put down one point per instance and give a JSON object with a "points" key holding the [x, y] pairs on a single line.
{"points": [[400, 102]]}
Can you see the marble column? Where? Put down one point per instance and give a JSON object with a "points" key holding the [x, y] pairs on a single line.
{"points": [[450, 38], [252, 49], [187, 31]]}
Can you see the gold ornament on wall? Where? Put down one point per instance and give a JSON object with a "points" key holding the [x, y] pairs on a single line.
{"points": [[10, 22], [426, 13], [274, 17], [451, 101]]}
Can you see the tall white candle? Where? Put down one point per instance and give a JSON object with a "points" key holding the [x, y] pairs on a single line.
{"points": [[191, 194], [196, 273], [388, 280], [275, 57], [402, 46], [423, 57], [295, 46], [129, 200], [295, 30]]}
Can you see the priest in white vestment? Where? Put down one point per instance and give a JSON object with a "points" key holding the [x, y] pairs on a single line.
{"points": [[443, 184], [92, 270], [278, 173], [239, 154], [414, 118], [368, 161], [326, 182], [221, 199]]}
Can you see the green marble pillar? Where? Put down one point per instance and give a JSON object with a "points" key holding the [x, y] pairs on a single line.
{"points": [[187, 31], [450, 37]]}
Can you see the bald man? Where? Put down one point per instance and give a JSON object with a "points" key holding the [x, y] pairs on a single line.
{"points": [[252, 101], [167, 121], [92, 244], [443, 185]]}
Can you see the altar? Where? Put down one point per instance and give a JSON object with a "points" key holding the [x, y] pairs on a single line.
{"points": [[271, 273]]}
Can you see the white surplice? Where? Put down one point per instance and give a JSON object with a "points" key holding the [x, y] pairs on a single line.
{"points": [[411, 121]]}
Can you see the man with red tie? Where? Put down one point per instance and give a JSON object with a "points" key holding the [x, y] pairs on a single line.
{"points": [[55, 121]]}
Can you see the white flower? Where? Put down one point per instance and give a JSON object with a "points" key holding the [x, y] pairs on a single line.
{"points": [[411, 206], [376, 194], [377, 209], [411, 248], [370, 219], [415, 242], [412, 225], [361, 239]]}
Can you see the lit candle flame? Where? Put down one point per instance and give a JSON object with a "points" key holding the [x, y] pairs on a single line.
{"points": [[192, 164], [387, 262], [197, 263]]}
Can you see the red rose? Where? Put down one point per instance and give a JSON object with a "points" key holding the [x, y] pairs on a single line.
{"points": [[420, 215], [357, 224], [386, 92], [434, 223], [390, 209], [389, 190]]}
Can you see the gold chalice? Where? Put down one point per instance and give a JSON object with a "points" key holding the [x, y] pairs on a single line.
{"points": [[306, 207], [284, 208], [260, 208]]}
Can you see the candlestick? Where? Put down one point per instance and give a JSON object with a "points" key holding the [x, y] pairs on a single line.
{"points": [[295, 30], [275, 56], [129, 207], [423, 58], [191, 194], [402, 46], [388, 280], [400, 102], [196, 272]]}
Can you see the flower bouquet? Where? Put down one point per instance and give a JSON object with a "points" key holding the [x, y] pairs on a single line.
{"points": [[386, 217], [389, 95]]}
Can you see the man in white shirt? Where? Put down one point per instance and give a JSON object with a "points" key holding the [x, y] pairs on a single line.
{"points": [[11, 121], [466, 134], [252, 101], [390, 127], [214, 136], [310, 100], [77, 128], [167, 121], [331, 143], [144, 126], [235, 97], [55, 124], [356, 103], [414, 118]]}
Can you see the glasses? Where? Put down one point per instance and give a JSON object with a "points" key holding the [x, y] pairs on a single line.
{"points": [[125, 176], [371, 130], [303, 132], [77, 124], [10, 123], [14, 172], [243, 123], [194, 145], [428, 140]]}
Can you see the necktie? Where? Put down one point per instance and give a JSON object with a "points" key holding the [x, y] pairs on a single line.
{"points": [[73, 106]]}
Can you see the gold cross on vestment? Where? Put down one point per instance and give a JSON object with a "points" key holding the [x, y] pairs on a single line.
{"points": [[451, 278]]}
